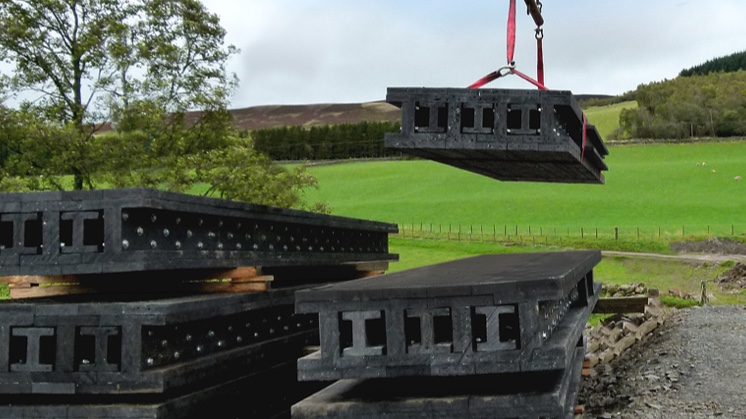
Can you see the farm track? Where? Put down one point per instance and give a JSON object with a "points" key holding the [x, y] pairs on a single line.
{"points": [[687, 257]]}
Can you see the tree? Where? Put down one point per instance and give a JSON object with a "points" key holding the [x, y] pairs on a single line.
{"points": [[95, 60], [139, 64], [697, 106]]}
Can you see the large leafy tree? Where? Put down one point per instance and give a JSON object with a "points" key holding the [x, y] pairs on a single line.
{"points": [[140, 65], [87, 57]]}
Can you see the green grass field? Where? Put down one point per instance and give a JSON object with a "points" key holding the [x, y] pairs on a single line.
{"points": [[606, 118], [648, 187], [660, 274]]}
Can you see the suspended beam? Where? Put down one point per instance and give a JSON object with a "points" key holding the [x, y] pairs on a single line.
{"points": [[505, 134]]}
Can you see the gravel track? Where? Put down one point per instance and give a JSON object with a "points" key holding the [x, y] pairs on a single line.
{"points": [[694, 366]]}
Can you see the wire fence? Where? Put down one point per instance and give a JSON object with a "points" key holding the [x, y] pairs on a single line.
{"points": [[552, 235]]}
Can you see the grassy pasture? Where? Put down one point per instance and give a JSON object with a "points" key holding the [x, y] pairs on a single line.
{"points": [[606, 118], [654, 273], [650, 187]]}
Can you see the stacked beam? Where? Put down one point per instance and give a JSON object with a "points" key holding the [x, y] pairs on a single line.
{"points": [[511, 135], [135, 230], [428, 340], [139, 348]]}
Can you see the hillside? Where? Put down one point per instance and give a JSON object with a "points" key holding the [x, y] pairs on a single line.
{"points": [[314, 115], [274, 116], [261, 117]]}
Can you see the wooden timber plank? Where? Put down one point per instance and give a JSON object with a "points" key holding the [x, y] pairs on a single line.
{"points": [[621, 305], [244, 279]]}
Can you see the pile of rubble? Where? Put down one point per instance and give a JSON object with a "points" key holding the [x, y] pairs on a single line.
{"points": [[620, 332], [734, 279], [624, 290]]}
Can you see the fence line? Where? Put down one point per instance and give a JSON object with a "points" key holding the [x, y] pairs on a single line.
{"points": [[539, 234]]}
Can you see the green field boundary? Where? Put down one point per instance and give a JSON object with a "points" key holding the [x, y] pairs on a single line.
{"points": [[631, 239], [457, 231]]}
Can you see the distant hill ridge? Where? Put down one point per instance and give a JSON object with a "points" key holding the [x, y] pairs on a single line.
{"points": [[276, 116]]}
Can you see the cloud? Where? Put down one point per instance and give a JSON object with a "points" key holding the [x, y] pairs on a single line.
{"points": [[304, 51]]}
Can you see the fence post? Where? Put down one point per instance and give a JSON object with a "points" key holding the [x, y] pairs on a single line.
{"points": [[596, 232], [638, 233], [732, 229], [616, 233], [582, 233]]}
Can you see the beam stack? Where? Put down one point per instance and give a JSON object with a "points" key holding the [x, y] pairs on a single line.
{"points": [[139, 342], [495, 336]]}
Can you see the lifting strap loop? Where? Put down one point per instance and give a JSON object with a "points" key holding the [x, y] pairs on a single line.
{"points": [[501, 72], [540, 55], [510, 68], [511, 32]]}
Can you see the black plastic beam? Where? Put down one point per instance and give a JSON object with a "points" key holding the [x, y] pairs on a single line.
{"points": [[505, 134], [267, 394], [522, 396], [149, 346], [484, 315], [95, 232]]}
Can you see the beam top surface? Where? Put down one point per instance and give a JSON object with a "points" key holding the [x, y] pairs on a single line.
{"points": [[540, 275]]}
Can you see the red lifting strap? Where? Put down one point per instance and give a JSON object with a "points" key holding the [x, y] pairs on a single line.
{"points": [[486, 79], [585, 138], [511, 32], [530, 80], [540, 55], [510, 68]]}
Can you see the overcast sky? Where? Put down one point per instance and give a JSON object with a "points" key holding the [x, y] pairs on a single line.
{"points": [[344, 51]]}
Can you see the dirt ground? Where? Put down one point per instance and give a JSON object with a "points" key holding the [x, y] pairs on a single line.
{"points": [[694, 366], [722, 246]]}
